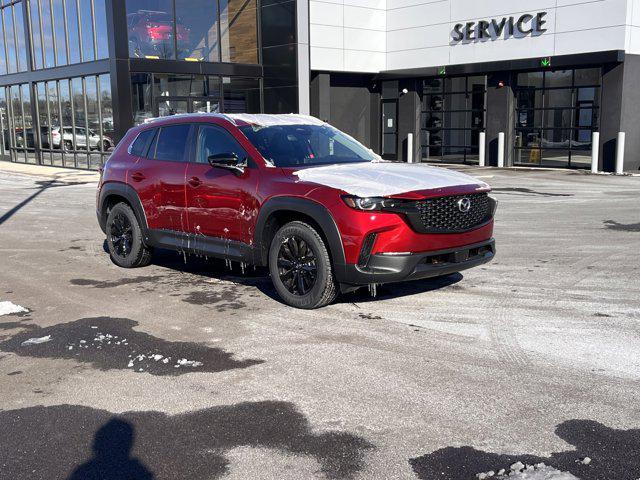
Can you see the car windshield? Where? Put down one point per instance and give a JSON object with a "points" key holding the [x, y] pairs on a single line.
{"points": [[305, 145]]}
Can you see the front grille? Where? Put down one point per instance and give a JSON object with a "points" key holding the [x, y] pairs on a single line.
{"points": [[443, 214]]}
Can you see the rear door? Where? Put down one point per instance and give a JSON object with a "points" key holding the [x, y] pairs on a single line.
{"points": [[220, 203], [159, 178]]}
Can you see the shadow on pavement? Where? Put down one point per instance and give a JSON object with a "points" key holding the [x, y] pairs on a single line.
{"points": [[77, 442], [112, 459], [622, 227], [110, 343], [614, 454]]}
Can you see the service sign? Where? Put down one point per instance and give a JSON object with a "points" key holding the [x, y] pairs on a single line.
{"points": [[522, 26]]}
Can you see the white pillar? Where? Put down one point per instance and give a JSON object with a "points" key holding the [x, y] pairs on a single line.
{"points": [[410, 158], [620, 153], [595, 151], [482, 147], [501, 150]]}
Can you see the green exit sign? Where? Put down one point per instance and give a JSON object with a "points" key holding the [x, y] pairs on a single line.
{"points": [[545, 62], [442, 70]]}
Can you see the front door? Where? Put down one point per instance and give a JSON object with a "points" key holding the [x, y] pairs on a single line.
{"points": [[220, 203]]}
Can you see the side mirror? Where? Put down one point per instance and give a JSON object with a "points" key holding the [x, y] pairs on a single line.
{"points": [[228, 161]]}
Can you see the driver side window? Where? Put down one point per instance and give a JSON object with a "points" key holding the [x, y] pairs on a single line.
{"points": [[214, 141]]}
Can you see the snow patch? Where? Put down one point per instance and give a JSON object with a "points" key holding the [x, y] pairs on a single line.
{"points": [[383, 179], [36, 341], [7, 308], [520, 471]]}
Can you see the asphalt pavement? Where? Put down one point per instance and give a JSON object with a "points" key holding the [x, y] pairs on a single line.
{"points": [[185, 369]]}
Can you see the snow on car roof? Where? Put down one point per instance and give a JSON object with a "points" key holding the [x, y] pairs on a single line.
{"points": [[267, 120]]}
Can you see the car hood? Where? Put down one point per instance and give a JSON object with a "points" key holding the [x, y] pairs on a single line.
{"points": [[384, 179]]}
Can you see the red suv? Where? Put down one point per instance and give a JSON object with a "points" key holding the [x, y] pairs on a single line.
{"points": [[324, 213]]}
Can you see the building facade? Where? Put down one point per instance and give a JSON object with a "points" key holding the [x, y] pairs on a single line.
{"points": [[547, 74], [76, 74]]}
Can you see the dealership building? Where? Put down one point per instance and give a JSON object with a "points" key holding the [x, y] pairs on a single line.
{"points": [[528, 82]]}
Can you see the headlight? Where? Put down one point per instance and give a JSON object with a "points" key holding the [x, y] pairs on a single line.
{"points": [[369, 203]]}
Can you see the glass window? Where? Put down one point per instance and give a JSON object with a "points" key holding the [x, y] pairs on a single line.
{"points": [[141, 143], [171, 143], [4, 126], [293, 145], [34, 14], [216, 141], [239, 31], [278, 23], [559, 78], [47, 31], [587, 76], [101, 29], [179, 85], [20, 37], [531, 79], [141, 96], [86, 27], [12, 60], [3, 58], [150, 27], [73, 30], [197, 30], [106, 112], [58, 22], [241, 95]]}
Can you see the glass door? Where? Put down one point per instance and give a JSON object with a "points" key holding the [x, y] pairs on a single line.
{"points": [[453, 115], [556, 115]]}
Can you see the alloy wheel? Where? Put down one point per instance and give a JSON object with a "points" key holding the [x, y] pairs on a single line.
{"points": [[121, 235], [297, 266]]}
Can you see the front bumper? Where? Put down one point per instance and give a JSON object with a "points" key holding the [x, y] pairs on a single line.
{"points": [[397, 268]]}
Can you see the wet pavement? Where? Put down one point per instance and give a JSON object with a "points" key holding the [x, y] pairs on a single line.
{"points": [[185, 369]]}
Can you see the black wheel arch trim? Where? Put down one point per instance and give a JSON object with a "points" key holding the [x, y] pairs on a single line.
{"points": [[319, 213], [128, 193]]}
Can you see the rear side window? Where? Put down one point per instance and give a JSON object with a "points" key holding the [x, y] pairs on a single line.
{"points": [[171, 143], [141, 143]]}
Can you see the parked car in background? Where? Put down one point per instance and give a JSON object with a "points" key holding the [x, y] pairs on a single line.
{"points": [[290, 192], [62, 137]]}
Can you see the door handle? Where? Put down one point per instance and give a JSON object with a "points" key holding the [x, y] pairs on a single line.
{"points": [[137, 177], [195, 182]]}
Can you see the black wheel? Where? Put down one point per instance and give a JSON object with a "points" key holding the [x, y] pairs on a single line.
{"points": [[105, 146], [300, 267], [124, 238], [67, 146]]}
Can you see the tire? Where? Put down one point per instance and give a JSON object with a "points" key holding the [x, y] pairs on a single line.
{"points": [[307, 258], [105, 146], [124, 238], [67, 146]]}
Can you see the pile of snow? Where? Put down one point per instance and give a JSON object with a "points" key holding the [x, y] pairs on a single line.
{"points": [[520, 471], [7, 308], [36, 341]]}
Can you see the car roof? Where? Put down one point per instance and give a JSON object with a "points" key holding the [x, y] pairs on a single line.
{"points": [[242, 119]]}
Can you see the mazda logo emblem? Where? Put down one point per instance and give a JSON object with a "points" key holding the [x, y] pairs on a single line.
{"points": [[464, 205]]}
